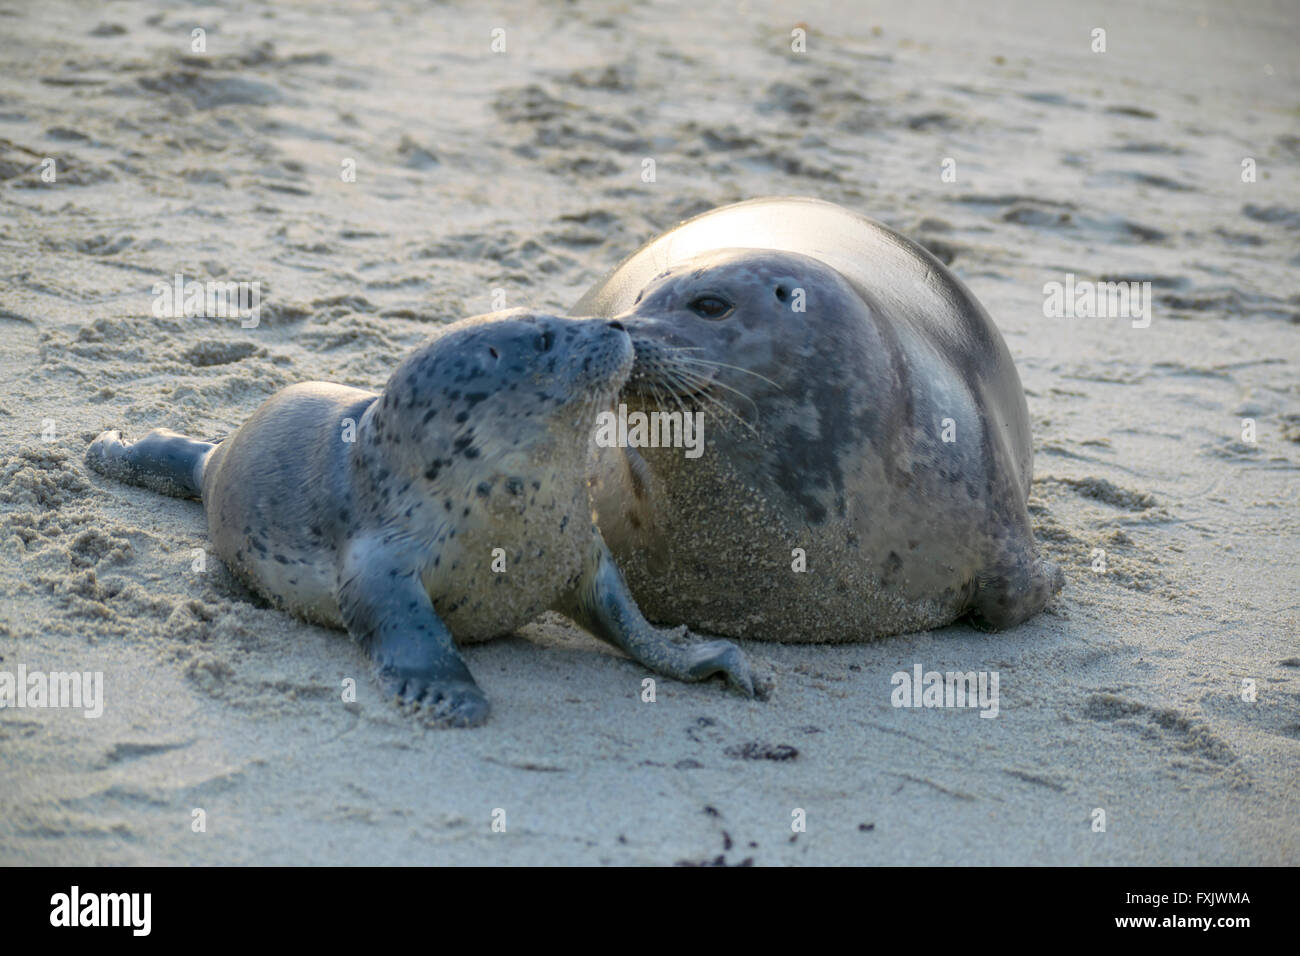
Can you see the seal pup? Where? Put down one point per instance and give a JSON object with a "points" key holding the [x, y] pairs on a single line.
{"points": [[867, 448], [453, 506]]}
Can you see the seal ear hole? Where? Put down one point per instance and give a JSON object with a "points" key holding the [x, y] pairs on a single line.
{"points": [[493, 352], [782, 293]]}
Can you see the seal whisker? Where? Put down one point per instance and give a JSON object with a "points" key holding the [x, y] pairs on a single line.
{"points": [[711, 382], [696, 360], [677, 399], [700, 389]]}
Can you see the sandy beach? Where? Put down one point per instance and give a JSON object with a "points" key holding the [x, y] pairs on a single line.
{"points": [[1161, 687]]}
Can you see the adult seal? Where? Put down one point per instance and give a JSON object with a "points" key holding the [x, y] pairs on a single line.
{"points": [[452, 507], [867, 453]]}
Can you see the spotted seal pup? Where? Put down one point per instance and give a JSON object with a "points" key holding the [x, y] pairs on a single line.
{"points": [[472, 456], [864, 421]]}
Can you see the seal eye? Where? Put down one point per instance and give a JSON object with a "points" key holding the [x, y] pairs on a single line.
{"points": [[545, 341], [781, 293], [710, 307]]}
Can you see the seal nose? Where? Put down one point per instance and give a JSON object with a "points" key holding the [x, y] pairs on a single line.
{"points": [[617, 325]]}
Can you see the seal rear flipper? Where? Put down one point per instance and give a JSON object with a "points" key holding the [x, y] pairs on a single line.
{"points": [[385, 607], [1013, 591], [164, 460]]}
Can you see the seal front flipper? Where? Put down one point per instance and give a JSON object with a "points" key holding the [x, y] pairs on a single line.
{"points": [[603, 605], [385, 607]]}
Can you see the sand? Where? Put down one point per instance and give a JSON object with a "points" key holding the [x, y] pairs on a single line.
{"points": [[486, 179]]}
